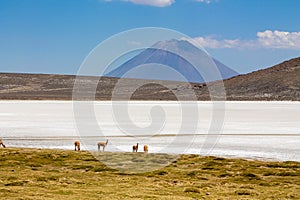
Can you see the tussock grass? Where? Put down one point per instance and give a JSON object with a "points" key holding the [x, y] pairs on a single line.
{"points": [[62, 174]]}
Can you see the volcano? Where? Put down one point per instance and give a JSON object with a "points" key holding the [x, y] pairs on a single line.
{"points": [[173, 60]]}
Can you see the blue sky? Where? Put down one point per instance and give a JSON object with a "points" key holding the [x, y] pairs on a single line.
{"points": [[54, 36]]}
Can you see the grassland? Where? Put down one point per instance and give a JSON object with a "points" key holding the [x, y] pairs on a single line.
{"points": [[61, 174]]}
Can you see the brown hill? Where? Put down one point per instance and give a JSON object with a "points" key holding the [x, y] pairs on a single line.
{"points": [[281, 82]]}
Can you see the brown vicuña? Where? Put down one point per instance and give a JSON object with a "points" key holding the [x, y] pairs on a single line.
{"points": [[146, 148], [77, 145], [102, 144], [2, 144], [135, 147]]}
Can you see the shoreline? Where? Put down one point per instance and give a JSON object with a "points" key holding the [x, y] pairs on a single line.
{"points": [[140, 152], [261, 159]]}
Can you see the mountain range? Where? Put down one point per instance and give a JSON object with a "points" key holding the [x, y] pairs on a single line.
{"points": [[280, 82]]}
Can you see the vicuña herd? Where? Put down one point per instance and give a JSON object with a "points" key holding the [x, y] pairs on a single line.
{"points": [[100, 144], [104, 144]]}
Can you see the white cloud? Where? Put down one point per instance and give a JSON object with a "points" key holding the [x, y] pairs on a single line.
{"points": [[204, 1], [279, 39], [134, 43], [267, 39], [213, 43], [157, 3]]}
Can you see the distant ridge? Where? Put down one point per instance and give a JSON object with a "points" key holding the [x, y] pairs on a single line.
{"points": [[281, 82]]}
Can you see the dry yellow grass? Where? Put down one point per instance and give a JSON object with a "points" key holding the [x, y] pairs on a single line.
{"points": [[62, 174]]}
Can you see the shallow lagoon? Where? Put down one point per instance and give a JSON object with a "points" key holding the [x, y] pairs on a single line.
{"points": [[259, 130]]}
